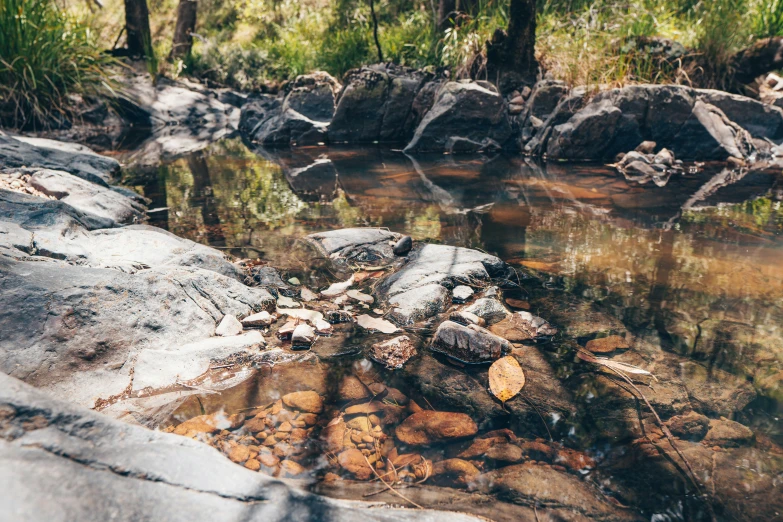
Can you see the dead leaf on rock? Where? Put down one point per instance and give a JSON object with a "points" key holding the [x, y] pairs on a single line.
{"points": [[506, 378], [376, 323], [336, 289]]}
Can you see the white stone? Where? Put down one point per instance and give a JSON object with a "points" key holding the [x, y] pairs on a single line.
{"points": [[260, 319], [461, 293], [229, 326]]}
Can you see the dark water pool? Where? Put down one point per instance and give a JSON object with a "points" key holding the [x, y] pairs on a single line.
{"points": [[692, 269]]}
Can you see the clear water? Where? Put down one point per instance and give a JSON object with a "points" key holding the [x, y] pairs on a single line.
{"points": [[693, 267]]}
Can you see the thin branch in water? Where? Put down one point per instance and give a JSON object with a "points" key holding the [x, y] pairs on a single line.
{"points": [[389, 485]]}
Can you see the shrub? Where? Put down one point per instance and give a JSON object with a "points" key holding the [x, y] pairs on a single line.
{"points": [[45, 56]]}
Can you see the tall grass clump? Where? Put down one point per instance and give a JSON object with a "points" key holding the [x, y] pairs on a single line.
{"points": [[45, 56]]}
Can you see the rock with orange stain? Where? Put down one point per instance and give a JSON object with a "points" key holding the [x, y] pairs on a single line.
{"points": [[428, 426]]}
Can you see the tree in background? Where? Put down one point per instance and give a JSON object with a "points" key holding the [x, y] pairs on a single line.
{"points": [[511, 58], [137, 28], [183, 32]]}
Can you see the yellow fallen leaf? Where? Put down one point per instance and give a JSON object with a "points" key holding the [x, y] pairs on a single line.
{"points": [[506, 378]]}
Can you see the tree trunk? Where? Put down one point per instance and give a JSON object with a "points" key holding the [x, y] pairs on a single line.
{"points": [[511, 58], [137, 27], [183, 32], [446, 9]]}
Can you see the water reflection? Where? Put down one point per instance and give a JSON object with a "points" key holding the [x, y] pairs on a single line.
{"points": [[692, 268]]}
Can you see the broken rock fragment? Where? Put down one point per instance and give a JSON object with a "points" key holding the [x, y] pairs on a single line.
{"points": [[489, 309], [469, 344], [302, 337], [260, 319], [394, 352], [229, 326], [461, 293]]}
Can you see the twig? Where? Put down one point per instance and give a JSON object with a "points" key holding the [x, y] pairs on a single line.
{"points": [[540, 416], [670, 438], [389, 485]]}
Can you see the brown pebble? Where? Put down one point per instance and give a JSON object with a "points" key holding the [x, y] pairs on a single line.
{"points": [[291, 468], [270, 441], [282, 435], [308, 418], [283, 449], [368, 439], [356, 437], [716, 448], [298, 435], [285, 427], [253, 465], [239, 454], [268, 460], [366, 452], [374, 420]]}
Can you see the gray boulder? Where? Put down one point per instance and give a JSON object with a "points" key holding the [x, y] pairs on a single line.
{"points": [[76, 159], [87, 197], [419, 289], [61, 463], [366, 245], [675, 117], [465, 117], [469, 344], [380, 103], [313, 96], [267, 121]]}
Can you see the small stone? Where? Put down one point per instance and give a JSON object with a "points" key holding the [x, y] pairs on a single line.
{"points": [[364, 409], [368, 439], [353, 461], [356, 437], [393, 353], [352, 389], [239, 454], [323, 327], [664, 157], [287, 330], [461, 293], [359, 423], [334, 436], [504, 452], [268, 460], [306, 401], [294, 281], [285, 427], [526, 91], [607, 344], [291, 468], [728, 434], [283, 449], [260, 319], [302, 337], [374, 419], [429, 426], [469, 344], [403, 246], [460, 471], [523, 326], [466, 318], [515, 109], [270, 441], [229, 326], [646, 147], [298, 435], [489, 309], [286, 302], [253, 465], [308, 418], [307, 295], [396, 396], [517, 100]]}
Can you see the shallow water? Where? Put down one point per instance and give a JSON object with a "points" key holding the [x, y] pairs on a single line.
{"points": [[692, 268]]}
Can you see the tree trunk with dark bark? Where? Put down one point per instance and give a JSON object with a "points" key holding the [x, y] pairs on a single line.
{"points": [[511, 58], [183, 32], [137, 27], [446, 9]]}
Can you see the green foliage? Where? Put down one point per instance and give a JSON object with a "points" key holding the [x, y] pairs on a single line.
{"points": [[767, 18], [45, 56]]}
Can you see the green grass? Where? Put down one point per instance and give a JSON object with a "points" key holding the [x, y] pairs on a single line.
{"points": [[45, 56]]}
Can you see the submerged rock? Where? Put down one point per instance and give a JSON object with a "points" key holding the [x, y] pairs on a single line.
{"points": [[394, 352], [269, 278], [469, 344], [690, 426], [461, 293], [607, 344], [523, 326], [489, 309], [727, 433], [429, 426], [165, 476]]}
